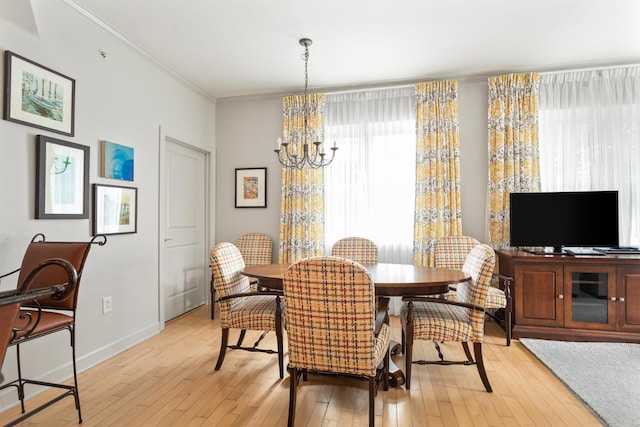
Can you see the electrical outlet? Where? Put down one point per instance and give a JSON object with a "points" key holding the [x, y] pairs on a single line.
{"points": [[107, 305]]}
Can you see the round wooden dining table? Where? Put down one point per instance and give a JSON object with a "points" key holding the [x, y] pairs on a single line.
{"points": [[391, 280]]}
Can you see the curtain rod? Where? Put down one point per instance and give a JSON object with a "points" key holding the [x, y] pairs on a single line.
{"points": [[607, 67], [362, 89]]}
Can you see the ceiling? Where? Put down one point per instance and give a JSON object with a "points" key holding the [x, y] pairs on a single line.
{"points": [[229, 48]]}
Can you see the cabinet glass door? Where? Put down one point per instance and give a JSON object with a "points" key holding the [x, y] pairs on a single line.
{"points": [[589, 297]]}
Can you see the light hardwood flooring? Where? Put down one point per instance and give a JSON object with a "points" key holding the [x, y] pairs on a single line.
{"points": [[169, 380]]}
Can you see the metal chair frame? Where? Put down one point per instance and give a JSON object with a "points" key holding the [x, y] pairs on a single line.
{"points": [[36, 304]]}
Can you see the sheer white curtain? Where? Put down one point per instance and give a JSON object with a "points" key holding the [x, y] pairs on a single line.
{"points": [[370, 186], [590, 137]]}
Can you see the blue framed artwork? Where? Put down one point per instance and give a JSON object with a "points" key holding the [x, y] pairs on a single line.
{"points": [[117, 161]]}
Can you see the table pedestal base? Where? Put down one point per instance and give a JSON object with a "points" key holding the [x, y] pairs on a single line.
{"points": [[396, 376]]}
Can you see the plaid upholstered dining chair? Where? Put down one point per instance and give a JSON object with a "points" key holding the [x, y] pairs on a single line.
{"points": [[358, 249], [459, 320], [333, 326], [451, 252], [240, 307], [256, 248]]}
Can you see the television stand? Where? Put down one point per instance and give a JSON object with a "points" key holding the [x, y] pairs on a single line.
{"points": [[574, 298]]}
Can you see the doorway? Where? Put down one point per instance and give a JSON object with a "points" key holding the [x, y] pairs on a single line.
{"points": [[184, 227]]}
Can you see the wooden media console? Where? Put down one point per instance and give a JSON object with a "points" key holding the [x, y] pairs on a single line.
{"points": [[574, 298]]}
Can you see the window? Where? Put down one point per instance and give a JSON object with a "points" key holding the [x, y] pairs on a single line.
{"points": [[590, 137], [370, 186]]}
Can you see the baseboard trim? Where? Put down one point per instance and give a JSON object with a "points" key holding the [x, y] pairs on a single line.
{"points": [[9, 397]]}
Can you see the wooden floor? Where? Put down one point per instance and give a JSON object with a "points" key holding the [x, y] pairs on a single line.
{"points": [[169, 380]]}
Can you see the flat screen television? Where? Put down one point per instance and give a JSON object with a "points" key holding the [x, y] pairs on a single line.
{"points": [[558, 219]]}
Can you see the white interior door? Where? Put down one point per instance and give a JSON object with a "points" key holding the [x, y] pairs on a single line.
{"points": [[184, 266]]}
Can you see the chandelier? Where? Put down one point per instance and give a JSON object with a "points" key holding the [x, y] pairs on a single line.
{"points": [[313, 154]]}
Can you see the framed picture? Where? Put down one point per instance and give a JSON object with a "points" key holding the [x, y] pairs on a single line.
{"points": [[115, 209], [251, 188], [62, 179], [38, 96], [117, 161]]}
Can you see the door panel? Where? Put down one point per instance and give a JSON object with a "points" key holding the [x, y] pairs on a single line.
{"points": [[185, 267]]}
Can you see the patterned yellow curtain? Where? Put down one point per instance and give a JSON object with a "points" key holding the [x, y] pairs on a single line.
{"points": [[437, 210], [302, 194], [513, 147]]}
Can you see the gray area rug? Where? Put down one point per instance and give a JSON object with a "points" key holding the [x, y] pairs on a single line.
{"points": [[605, 376]]}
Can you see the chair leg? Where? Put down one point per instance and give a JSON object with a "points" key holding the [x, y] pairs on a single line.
{"points": [[280, 351], [407, 338], [243, 332], [293, 386], [386, 371], [20, 382], [507, 321], [223, 347], [76, 393], [408, 357], [467, 352], [213, 300], [507, 326], [279, 336], [372, 401], [477, 349]]}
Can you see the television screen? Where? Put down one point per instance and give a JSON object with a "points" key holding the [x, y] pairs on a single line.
{"points": [[557, 219]]}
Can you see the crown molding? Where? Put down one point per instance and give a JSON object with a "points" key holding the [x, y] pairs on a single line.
{"points": [[97, 22]]}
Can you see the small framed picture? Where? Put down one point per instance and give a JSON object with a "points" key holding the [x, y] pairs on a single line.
{"points": [[62, 179], [38, 96], [117, 161], [251, 188], [115, 209]]}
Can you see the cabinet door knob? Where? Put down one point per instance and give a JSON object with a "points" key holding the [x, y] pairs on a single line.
{"points": [[560, 296], [613, 299], [621, 299]]}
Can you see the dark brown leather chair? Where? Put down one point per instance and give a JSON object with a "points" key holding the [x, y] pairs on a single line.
{"points": [[49, 314], [10, 300]]}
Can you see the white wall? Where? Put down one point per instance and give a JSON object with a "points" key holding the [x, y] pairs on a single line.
{"points": [[246, 132], [125, 98]]}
